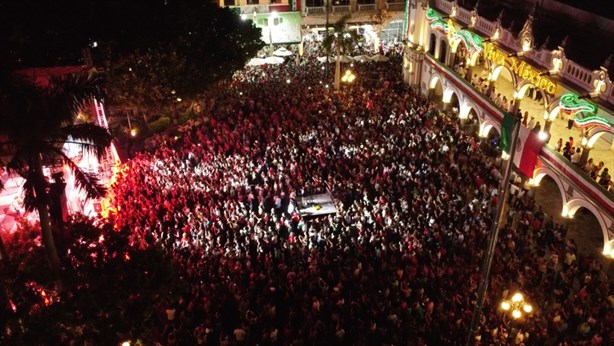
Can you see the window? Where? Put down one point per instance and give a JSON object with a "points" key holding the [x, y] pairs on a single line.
{"points": [[443, 50], [315, 3], [432, 44], [252, 2], [265, 21], [229, 2]]}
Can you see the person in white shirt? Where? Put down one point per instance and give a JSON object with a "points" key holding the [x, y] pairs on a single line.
{"points": [[575, 158], [531, 123]]}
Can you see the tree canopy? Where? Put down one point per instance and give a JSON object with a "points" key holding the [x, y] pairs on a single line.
{"points": [[113, 288], [153, 50]]}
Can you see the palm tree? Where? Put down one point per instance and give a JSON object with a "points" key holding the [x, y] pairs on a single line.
{"points": [[36, 123], [342, 41]]}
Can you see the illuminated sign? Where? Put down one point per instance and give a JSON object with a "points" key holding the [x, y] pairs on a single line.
{"points": [[583, 112], [519, 68], [592, 121], [570, 104], [472, 42]]}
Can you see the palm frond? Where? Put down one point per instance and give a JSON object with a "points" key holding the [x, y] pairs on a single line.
{"points": [[67, 94], [85, 181], [339, 25], [328, 42], [19, 160], [29, 196], [91, 138]]}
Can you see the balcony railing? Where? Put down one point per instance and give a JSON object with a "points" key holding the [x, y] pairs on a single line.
{"points": [[316, 10], [366, 7], [341, 9], [395, 6]]}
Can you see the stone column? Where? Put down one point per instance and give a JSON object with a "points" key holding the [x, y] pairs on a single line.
{"points": [[515, 106], [451, 57], [584, 157]]}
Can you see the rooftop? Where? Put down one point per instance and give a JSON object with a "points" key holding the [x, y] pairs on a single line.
{"points": [[553, 26]]}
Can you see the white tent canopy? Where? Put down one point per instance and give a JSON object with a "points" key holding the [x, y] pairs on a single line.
{"points": [[361, 58], [282, 52], [379, 58], [256, 62], [345, 58], [274, 60], [323, 59]]}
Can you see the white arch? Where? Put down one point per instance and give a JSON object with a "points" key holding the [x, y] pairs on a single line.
{"points": [[447, 95], [464, 111], [486, 126], [522, 90], [542, 171], [434, 79], [496, 71], [552, 115], [573, 205], [474, 58], [594, 135]]}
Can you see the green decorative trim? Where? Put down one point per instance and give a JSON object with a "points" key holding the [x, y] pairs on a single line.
{"points": [[473, 42], [583, 112]]}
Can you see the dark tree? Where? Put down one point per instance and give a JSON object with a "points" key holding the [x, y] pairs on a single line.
{"points": [[155, 51], [36, 122]]}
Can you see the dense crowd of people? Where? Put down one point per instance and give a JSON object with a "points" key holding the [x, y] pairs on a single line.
{"points": [[398, 264]]}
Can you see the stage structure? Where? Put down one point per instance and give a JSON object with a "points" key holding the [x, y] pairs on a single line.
{"points": [[72, 200]]}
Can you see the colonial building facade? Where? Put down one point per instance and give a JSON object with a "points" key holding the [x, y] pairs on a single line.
{"points": [[481, 70]]}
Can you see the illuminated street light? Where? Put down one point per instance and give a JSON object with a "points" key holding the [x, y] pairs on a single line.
{"points": [[516, 306], [133, 132], [348, 77]]}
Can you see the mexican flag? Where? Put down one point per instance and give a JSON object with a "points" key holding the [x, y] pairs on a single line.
{"points": [[527, 148]]}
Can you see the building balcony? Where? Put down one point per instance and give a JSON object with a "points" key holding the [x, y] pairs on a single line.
{"points": [[367, 7], [341, 9], [395, 6], [318, 7], [316, 10], [261, 8]]}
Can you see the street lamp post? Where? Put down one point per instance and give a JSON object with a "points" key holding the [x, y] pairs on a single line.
{"points": [[348, 77], [517, 308], [489, 255]]}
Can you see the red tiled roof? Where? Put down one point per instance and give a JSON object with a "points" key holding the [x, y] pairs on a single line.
{"points": [[41, 75]]}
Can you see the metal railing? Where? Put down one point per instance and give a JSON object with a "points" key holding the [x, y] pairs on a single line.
{"points": [[366, 7], [316, 10], [341, 9]]}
